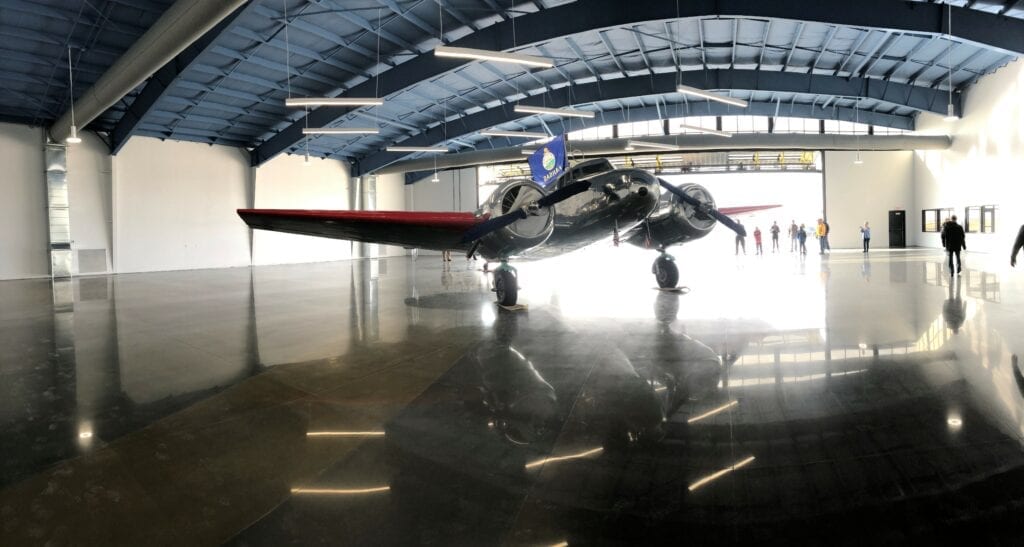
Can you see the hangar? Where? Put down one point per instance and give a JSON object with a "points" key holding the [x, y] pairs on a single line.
{"points": [[184, 361]]}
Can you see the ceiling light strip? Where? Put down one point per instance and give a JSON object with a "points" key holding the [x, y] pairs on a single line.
{"points": [[434, 149], [332, 101], [340, 131], [656, 145], [710, 96], [570, 112], [498, 56], [513, 134], [705, 130]]}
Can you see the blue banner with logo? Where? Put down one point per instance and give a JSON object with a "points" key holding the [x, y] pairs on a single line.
{"points": [[547, 163]]}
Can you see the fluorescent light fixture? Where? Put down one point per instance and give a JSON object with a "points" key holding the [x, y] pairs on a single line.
{"points": [[344, 433], [570, 112], [487, 55], [435, 178], [523, 134], [951, 113], [73, 137], [710, 96], [656, 145], [340, 131], [712, 412], [629, 147], [705, 130], [332, 101], [719, 474], [554, 459], [341, 491], [434, 149], [526, 152]]}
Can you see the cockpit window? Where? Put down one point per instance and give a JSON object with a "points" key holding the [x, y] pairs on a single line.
{"points": [[585, 169]]}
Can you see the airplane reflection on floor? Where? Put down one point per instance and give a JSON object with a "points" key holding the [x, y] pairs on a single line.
{"points": [[414, 418]]}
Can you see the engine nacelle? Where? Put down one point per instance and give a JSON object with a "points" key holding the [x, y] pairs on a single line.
{"points": [[522, 234], [675, 222]]}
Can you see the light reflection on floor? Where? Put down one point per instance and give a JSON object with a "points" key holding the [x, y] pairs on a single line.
{"points": [[391, 402]]}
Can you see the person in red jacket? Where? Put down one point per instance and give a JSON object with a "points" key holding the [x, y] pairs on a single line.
{"points": [[757, 241]]}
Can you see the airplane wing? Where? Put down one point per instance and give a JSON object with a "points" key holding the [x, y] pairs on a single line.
{"points": [[425, 230], [730, 211]]}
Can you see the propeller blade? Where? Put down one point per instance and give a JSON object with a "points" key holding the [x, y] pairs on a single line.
{"points": [[686, 198], [490, 225], [564, 193], [497, 223]]}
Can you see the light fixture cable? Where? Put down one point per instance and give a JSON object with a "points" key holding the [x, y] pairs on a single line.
{"points": [[288, 52], [950, 115]]}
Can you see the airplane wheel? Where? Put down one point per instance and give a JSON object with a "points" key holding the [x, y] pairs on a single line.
{"points": [[666, 272], [506, 286]]}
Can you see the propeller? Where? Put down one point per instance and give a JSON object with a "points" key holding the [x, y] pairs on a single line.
{"points": [[497, 223], [704, 208]]}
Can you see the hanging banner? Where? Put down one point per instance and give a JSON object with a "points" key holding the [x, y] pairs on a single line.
{"points": [[547, 163]]}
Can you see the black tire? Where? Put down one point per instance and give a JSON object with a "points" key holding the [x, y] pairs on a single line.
{"points": [[666, 273], [506, 287]]}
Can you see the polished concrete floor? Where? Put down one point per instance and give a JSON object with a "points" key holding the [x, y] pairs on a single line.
{"points": [[836, 399]]}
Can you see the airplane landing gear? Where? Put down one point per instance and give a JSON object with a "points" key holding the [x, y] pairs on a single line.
{"points": [[665, 270], [506, 284]]}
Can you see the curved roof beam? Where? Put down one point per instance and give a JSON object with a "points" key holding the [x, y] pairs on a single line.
{"points": [[998, 32], [916, 97]]}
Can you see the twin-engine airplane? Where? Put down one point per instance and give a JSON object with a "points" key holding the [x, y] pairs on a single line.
{"points": [[588, 203]]}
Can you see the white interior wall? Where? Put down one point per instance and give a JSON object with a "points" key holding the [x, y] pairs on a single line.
{"points": [[89, 183], [285, 183], [984, 165], [455, 191], [391, 195], [867, 192], [23, 223], [174, 206]]}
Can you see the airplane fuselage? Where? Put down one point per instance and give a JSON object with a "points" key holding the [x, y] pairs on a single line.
{"points": [[616, 202]]}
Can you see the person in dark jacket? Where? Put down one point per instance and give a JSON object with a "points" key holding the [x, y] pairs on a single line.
{"points": [[954, 240], [1017, 245]]}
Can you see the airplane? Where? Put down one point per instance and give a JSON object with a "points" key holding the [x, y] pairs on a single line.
{"points": [[588, 202]]}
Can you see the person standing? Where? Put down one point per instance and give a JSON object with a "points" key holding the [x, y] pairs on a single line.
{"points": [[1016, 246], [801, 238], [741, 241], [820, 233], [775, 236], [757, 241], [828, 230], [954, 240], [865, 233], [792, 235]]}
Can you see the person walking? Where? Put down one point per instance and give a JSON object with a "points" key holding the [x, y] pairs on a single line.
{"points": [[801, 238], [954, 240], [792, 236], [1016, 246], [865, 233], [828, 230], [741, 241], [757, 241], [775, 236]]}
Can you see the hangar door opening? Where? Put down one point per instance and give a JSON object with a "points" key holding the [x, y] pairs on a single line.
{"points": [[793, 180]]}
